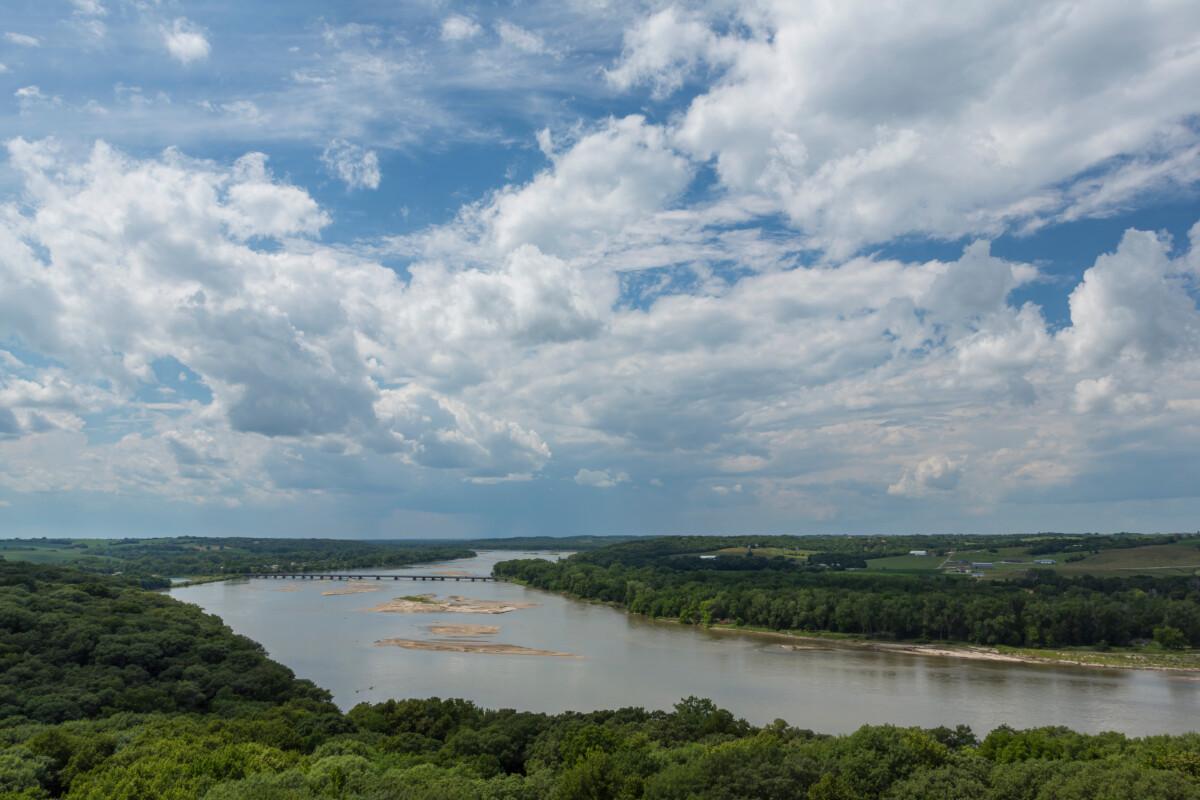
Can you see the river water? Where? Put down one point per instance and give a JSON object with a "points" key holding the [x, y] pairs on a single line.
{"points": [[623, 660]]}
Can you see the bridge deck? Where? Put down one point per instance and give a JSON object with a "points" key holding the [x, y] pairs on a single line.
{"points": [[359, 576]]}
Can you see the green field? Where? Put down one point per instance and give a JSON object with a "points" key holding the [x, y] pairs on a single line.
{"points": [[1181, 558], [50, 553], [929, 563], [765, 552]]}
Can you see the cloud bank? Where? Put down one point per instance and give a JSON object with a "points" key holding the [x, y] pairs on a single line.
{"points": [[770, 294]]}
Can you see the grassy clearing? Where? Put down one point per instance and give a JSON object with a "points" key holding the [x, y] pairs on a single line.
{"points": [[765, 552], [928, 563], [1182, 558], [46, 554], [1121, 658]]}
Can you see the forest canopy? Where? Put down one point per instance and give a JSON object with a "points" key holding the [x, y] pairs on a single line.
{"points": [[666, 578], [111, 691], [154, 561]]}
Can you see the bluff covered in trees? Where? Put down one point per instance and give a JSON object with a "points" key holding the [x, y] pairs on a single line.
{"points": [[665, 578], [154, 561], [115, 693]]}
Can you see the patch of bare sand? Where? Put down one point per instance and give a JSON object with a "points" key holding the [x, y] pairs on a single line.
{"points": [[488, 648], [464, 630], [291, 587], [353, 588], [428, 603]]}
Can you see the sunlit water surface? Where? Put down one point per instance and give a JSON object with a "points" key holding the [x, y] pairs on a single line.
{"points": [[628, 661]]}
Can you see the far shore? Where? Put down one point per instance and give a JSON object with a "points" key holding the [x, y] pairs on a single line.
{"points": [[1094, 659], [1185, 662]]}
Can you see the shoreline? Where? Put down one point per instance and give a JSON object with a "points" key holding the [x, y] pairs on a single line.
{"points": [[1090, 659], [1093, 659]]}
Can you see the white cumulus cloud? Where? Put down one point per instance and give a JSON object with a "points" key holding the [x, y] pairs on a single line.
{"points": [[863, 122], [352, 164], [186, 41], [518, 38], [933, 474], [600, 478], [458, 28], [22, 39]]}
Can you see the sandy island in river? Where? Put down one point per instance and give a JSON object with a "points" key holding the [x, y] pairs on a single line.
{"points": [[354, 588], [490, 648], [427, 603], [464, 630]]}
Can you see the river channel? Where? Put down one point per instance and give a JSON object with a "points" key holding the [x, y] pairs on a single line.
{"points": [[620, 660]]}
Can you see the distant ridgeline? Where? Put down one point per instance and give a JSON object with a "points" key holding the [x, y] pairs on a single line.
{"points": [[111, 692], [828, 584], [155, 561], [556, 543]]}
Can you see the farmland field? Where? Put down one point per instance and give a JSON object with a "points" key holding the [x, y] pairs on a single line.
{"points": [[766, 552], [56, 553], [1181, 558], [906, 563]]}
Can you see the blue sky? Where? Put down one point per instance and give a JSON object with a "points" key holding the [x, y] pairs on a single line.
{"points": [[435, 269]]}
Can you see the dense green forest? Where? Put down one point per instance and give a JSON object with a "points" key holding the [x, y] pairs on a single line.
{"points": [[154, 561], [113, 692], [665, 578]]}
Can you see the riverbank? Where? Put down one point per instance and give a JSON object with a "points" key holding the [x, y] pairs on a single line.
{"points": [[1128, 658], [1186, 661], [194, 580]]}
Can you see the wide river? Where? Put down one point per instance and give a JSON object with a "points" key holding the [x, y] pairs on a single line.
{"points": [[621, 660]]}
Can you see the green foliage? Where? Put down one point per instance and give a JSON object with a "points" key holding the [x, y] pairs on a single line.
{"points": [[664, 577], [76, 646], [232, 725], [153, 561], [1170, 637]]}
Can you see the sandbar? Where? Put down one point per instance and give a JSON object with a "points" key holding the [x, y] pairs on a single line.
{"points": [[489, 648], [428, 603], [464, 630]]}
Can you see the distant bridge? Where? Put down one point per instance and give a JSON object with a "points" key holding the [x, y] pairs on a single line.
{"points": [[358, 576]]}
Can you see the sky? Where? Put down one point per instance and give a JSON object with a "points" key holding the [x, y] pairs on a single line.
{"points": [[378, 269]]}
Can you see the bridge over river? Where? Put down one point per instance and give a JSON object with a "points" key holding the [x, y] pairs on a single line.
{"points": [[358, 576]]}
